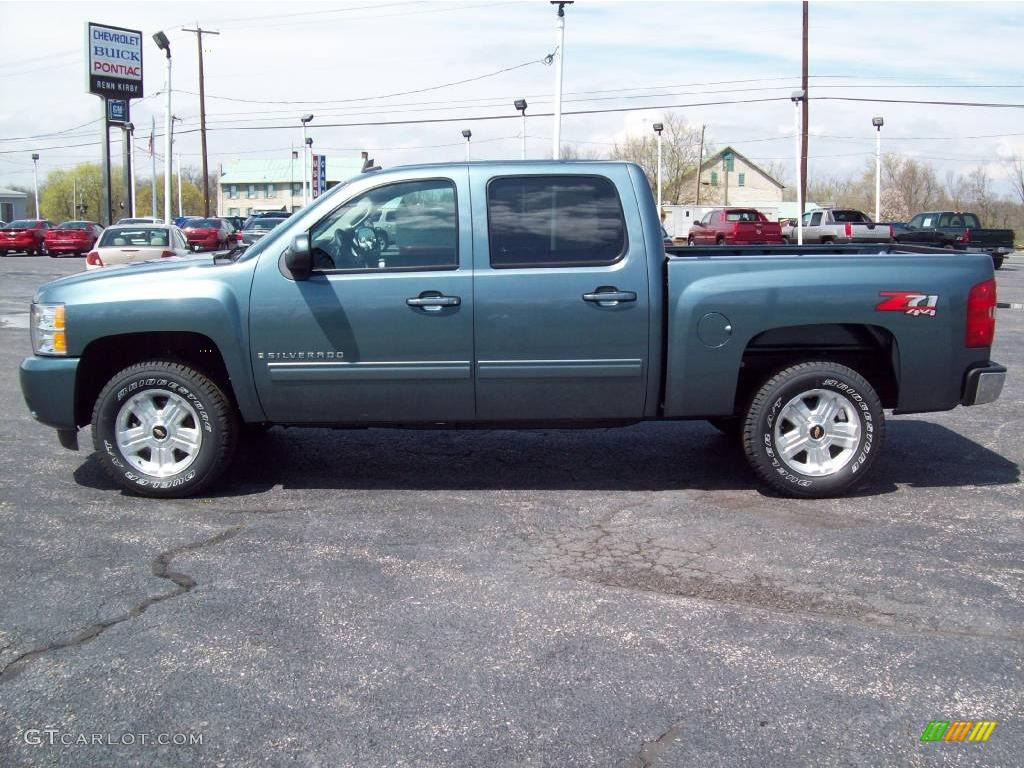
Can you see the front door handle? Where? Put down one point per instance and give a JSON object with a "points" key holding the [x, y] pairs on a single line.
{"points": [[432, 301], [609, 296]]}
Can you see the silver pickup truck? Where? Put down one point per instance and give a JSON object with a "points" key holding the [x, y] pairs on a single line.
{"points": [[839, 225]]}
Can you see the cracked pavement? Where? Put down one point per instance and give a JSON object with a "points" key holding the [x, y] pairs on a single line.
{"points": [[596, 598]]}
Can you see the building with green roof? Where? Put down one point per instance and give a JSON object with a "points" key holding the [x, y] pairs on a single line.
{"points": [[273, 184]]}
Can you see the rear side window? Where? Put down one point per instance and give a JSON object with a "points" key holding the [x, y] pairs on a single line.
{"points": [[852, 217], [554, 221]]}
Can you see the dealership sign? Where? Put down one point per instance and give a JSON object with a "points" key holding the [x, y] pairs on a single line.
{"points": [[319, 185], [114, 60]]}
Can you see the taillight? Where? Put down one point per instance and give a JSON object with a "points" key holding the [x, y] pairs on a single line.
{"points": [[981, 314], [165, 254], [93, 259], [238, 237], [966, 237], [849, 229]]}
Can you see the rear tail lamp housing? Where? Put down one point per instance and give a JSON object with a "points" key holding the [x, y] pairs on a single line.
{"points": [[981, 314]]}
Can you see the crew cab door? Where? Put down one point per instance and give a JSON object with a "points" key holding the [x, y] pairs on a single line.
{"points": [[562, 306], [376, 334]]}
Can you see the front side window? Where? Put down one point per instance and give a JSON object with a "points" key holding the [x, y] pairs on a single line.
{"points": [[816, 219], [554, 221], [422, 233]]}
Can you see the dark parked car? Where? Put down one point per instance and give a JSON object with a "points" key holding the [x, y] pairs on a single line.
{"points": [[74, 237], [257, 228], [209, 234], [26, 235], [238, 222], [958, 230], [266, 215]]}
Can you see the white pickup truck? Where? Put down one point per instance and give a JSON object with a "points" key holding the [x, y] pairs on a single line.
{"points": [[839, 225]]}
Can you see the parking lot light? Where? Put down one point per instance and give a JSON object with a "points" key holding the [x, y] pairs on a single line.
{"points": [[797, 97], [165, 45], [467, 135], [35, 180], [306, 169], [878, 122], [520, 104], [658, 128]]}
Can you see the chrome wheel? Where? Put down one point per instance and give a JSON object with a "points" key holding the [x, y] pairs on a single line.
{"points": [[817, 432], [158, 433]]}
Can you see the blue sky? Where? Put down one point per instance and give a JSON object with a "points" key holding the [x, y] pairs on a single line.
{"points": [[333, 52]]}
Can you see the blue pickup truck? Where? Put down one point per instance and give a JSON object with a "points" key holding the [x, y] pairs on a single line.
{"points": [[518, 295]]}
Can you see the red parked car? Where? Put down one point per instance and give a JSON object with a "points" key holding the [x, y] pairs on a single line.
{"points": [[735, 226], [209, 234], [26, 235], [74, 237]]}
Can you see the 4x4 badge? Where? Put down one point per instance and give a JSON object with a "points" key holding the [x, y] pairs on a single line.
{"points": [[909, 303]]}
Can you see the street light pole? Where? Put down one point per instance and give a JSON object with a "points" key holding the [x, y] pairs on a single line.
{"points": [[878, 122], [35, 179], [467, 135], [556, 138], [797, 98], [130, 138], [165, 45], [658, 128], [305, 159], [520, 104]]}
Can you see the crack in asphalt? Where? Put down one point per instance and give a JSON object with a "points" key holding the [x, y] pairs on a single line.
{"points": [[161, 568], [605, 557], [652, 750]]}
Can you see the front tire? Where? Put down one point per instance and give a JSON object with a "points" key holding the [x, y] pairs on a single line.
{"points": [[163, 429], [813, 430]]}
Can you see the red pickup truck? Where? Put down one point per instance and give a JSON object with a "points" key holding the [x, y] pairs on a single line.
{"points": [[735, 226]]}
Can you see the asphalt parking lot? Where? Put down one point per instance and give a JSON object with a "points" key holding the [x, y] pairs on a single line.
{"points": [[623, 597]]}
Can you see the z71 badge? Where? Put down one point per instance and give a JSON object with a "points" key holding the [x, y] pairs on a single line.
{"points": [[909, 303]]}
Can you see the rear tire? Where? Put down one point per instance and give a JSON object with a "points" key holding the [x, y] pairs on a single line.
{"points": [[163, 429], [997, 261], [689, 242], [719, 240], [813, 430]]}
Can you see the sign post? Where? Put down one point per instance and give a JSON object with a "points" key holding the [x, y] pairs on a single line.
{"points": [[319, 175], [114, 73]]}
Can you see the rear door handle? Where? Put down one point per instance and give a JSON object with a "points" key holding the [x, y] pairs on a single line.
{"points": [[432, 301], [609, 296]]}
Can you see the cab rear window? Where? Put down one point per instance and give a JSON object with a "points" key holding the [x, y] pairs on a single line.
{"points": [[554, 221]]}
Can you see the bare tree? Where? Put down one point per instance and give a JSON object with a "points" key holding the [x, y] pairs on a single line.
{"points": [[1017, 175], [680, 144], [572, 152]]}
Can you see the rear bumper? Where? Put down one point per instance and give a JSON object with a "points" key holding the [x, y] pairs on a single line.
{"points": [[983, 384], [48, 386], [67, 247]]}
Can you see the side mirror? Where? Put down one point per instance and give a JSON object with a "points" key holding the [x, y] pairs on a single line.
{"points": [[298, 259]]}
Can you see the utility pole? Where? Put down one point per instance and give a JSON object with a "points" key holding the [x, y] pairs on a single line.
{"points": [[700, 161], [199, 31], [556, 138], [152, 158], [804, 119]]}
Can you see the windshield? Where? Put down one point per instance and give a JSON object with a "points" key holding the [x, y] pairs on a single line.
{"points": [[263, 225], [743, 216], [853, 217], [136, 236], [75, 225], [21, 224]]}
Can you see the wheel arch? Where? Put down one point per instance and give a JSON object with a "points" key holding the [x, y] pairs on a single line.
{"points": [[104, 357], [870, 350]]}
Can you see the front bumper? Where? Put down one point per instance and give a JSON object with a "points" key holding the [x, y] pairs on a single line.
{"points": [[48, 385], [983, 384]]}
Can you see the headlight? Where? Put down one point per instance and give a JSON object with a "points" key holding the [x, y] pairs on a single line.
{"points": [[48, 331]]}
